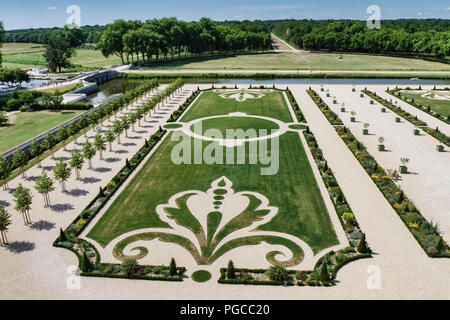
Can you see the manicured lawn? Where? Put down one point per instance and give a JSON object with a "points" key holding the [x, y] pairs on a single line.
{"points": [[439, 106], [293, 189], [24, 126], [311, 61], [26, 55], [235, 123], [201, 276]]}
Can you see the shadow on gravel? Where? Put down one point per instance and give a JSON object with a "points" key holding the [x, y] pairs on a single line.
{"points": [[111, 160], [61, 207], [42, 225], [121, 151], [20, 246], [32, 178], [102, 169], [77, 192], [4, 203], [90, 180]]}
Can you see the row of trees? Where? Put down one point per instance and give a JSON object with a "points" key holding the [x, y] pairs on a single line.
{"points": [[77, 37], [354, 36], [62, 170], [151, 39]]}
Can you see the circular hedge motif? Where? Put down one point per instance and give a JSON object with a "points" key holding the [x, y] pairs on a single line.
{"points": [[201, 276]]}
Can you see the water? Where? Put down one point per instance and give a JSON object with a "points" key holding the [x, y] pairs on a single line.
{"points": [[122, 85], [113, 87]]}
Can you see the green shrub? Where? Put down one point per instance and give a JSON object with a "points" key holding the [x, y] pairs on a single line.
{"points": [[129, 266], [278, 273]]}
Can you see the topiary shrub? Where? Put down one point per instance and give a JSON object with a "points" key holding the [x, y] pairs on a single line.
{"points": [[231, 273]]}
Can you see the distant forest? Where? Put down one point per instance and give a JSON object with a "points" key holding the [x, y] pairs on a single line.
{"points": [[423, 37]]}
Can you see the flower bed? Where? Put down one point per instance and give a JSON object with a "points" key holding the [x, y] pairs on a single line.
{"points": [[425, 233], [334, 119], [413, 119]]}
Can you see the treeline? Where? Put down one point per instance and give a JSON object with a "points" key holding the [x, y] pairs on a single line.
{"points": [[136, 41], [408, 36], [77, 37]]}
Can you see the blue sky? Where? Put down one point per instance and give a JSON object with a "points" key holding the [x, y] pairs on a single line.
{"points": [[17, 14]]}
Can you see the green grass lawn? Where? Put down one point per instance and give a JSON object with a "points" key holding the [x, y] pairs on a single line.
{"points": [[27, 55], [235, 123], [311, 61], [293, 189], [24, 126], [439, 106]]}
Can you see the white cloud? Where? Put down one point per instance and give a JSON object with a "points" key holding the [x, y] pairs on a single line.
{"points": [[51, 8]]}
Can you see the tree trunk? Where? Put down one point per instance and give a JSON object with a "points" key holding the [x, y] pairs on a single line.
{"points": [[110, 147]]}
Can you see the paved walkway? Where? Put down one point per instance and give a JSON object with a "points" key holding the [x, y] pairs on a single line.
{"points": [[37, 270], [428, 183]]}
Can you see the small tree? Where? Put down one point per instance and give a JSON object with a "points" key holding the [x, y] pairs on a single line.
{"points": [[324, 275], [44, 185], [362, 246], [86, 265], [62, 172], [99, 144], [62, 235], [278, 273], [35, 151], [440, 245], [23, 200], [126, 123], [20, 160], [5, 171], [76, 162], [88, 152], [110, 137], [231, 273], [129, 266], [49, 143], [117, 129], [3, 118], [172, 267], [62, 136], [5, 222], [381, 140]]}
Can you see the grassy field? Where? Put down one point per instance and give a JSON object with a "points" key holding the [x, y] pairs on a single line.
{"points": [[24, 126], [311, 61], [294, 190], [26, 55], [439, 106]]}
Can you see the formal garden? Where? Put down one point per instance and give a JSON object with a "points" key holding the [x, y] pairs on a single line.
{"points": [[197, 215]]}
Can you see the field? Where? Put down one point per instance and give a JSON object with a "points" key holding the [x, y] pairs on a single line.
{"points": [[24, 126], [205, 195], [311, 61], [439, 101], [26, 55]]}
